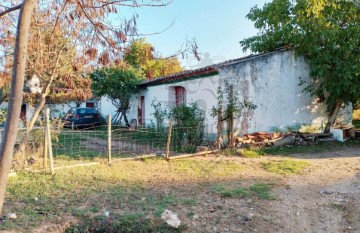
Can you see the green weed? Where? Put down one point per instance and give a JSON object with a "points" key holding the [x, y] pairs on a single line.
{"points": [[262, 191], [257, 190]]}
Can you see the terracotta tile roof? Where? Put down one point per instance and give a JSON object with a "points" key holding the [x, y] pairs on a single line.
{"points": [[212, 69]]}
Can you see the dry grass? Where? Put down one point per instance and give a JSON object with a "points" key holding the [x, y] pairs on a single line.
{"points": [[139, 188]]}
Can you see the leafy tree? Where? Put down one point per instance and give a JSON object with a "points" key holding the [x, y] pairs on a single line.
{"points": [[118, 84], [141, 54], [326, 33]]}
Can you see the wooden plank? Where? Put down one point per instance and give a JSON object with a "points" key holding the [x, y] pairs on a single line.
{"points": [[134, 158], [193, 155]]}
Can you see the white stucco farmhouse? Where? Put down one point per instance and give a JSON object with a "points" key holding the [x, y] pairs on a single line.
{"points": [[269, 80]]}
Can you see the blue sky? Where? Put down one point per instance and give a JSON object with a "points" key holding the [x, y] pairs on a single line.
{"points": [[217, 26]]}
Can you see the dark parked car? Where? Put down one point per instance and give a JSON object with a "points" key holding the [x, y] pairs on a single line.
{"points": [[82, 118]]}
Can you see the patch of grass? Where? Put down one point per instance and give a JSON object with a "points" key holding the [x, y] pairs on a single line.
{"points": [[320, 147], [148, 187], [285, 167], [229, 152], [126, 223], [188, 201], [337, 206], [251, 153], [260, 190], [217, 168], [246, 153]]}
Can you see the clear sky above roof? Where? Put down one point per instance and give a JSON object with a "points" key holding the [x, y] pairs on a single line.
{"points": [[217, 26]]}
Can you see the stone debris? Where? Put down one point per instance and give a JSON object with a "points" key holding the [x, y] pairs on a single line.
{"points": [[248, 217], [11, 216], [171, 218]]}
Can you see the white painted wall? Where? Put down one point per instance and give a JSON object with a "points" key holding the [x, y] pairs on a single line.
{"points": [[271, 82], [106, 107], [201, 90]]}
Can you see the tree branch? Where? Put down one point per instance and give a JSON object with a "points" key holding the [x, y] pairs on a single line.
{"points": [[121, 3], [11, 9]]}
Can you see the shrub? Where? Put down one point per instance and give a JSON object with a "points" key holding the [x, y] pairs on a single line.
{"points": [[188, 130]]}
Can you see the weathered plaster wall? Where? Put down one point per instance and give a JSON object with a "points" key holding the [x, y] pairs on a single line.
{"points": [[200, 90], [271, 82]]}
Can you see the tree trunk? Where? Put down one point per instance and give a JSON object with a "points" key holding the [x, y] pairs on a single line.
{"points": [[332, 116], [220, 140], [16, 92], [125, 118], [38, 109]]}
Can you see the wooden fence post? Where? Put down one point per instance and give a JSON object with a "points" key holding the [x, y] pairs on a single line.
{"points": [[169, 140], [109, 138], [48, 130], [46, 145], [219, 128], [231, 118]]}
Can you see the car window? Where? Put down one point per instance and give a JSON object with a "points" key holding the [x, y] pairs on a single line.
{"points": [[90, 110], [81, 110]]}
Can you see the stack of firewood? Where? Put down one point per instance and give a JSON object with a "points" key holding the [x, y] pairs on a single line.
{"points": [[280, 139]]}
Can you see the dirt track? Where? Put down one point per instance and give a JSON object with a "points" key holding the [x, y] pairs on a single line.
{"points": [[324, 199]]}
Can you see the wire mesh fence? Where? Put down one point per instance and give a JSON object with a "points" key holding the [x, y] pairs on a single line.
{"points": [[85, 145]]}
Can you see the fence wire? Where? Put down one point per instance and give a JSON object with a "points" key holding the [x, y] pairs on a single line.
{"points": [[71, 147]]}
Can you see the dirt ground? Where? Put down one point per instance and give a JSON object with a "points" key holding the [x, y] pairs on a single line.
{"points": [[325, 198]]}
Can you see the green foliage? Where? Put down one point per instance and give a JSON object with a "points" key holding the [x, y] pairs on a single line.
{"points": [[286, 166], [118, 84], [326, 33], [141, 55], [3, 112], [234, 107], [160, 113], [188, 130], [115, 83]]}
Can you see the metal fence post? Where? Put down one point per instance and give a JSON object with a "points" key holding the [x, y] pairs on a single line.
{"points": [[109, 138]]}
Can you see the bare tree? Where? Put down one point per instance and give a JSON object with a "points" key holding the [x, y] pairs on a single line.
{"points": [[15, 99], [81, 19]]}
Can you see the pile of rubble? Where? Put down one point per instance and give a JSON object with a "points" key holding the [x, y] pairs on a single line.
{"points": [[282, 139]]}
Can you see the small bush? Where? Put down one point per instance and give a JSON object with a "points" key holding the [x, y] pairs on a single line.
{"points": [[188, 130]]}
